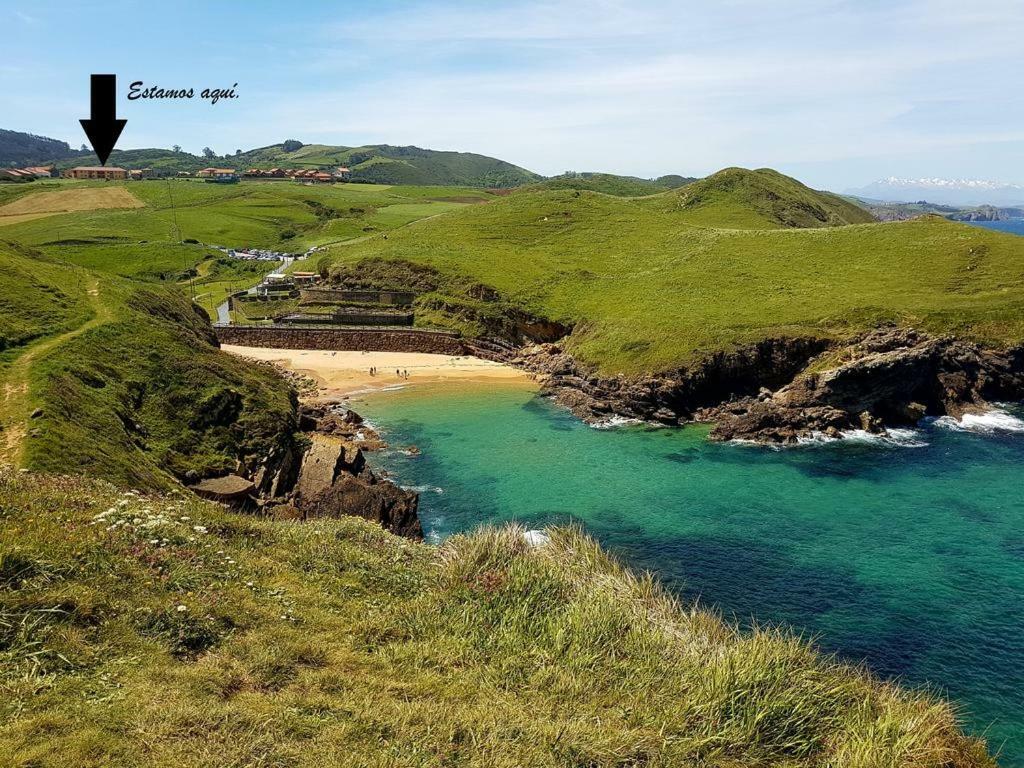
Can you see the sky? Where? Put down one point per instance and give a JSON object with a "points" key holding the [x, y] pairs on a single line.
{"points": [[837, 93]]}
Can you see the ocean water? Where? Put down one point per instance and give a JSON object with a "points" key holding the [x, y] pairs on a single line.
{"points": [[908, 554], [1015, 226]]}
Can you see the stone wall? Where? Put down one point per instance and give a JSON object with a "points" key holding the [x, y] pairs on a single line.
{"points": [[362, 340]]}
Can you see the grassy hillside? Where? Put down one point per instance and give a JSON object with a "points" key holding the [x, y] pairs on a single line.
{"points": [[157, 159], [123, 381], [21, 149], [384, 164], [762, 199], [164, 631], [144, 242], [375, 164], [610, 184], [650, 284], [38, 299]]}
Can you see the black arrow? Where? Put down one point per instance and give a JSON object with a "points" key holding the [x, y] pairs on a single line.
{"points": [[103, 129]]}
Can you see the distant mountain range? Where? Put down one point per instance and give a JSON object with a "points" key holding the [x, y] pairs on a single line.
{"points": [[957, 192]]}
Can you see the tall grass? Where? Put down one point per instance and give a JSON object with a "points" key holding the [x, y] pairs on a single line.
{"points": [[154, 631]]}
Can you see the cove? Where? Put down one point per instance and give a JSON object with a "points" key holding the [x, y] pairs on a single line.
{"points": [[910, 559]]}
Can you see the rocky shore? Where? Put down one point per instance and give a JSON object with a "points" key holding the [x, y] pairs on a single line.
{"points": [[779, 391], [323, 472]]}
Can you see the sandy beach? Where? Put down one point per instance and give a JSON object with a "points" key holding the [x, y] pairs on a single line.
{"points": [[347, 373]]}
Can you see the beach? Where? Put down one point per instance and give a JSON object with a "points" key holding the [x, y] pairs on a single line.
{"points": [[348, 373]]}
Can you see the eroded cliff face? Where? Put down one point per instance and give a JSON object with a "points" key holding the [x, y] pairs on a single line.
{"points": [[672, 397], [780, 390], [888, 377]]}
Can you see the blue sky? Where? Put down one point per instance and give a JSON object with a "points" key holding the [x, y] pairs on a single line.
{"points": [[837, 93]]}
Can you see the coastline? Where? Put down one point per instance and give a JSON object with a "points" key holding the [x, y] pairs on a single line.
{"points": [[783, 391], [347, 373]]}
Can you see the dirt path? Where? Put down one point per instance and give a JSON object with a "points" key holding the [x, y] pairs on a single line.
{"points": [[16, 406]]}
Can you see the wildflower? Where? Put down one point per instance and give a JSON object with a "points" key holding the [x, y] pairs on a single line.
{"points": [[182, 608]]}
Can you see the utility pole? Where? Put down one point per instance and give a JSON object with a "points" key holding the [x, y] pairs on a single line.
{"points": [[177, 232]]}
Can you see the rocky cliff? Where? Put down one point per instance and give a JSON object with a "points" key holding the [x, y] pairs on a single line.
{"points": [[780, 390]]}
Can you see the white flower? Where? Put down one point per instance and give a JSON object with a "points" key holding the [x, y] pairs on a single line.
{"points": [[199, 528], [182, 608]]}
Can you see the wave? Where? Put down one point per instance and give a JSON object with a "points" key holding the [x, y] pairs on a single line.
{"points": [[615, 421], [424, 489], [990, 422], [895, 438]]}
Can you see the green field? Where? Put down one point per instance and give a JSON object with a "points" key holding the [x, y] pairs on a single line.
{"points": [[659, 282]]}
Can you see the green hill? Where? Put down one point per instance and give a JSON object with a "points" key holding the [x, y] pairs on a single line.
{"points": [[737, 197], [374, 163], [157, 159], [22, 149], [610, 184], [124, 380], [384, 164], [655, 283]]}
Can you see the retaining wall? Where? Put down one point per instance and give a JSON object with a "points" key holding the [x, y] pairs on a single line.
{"points": [[362, 340]]}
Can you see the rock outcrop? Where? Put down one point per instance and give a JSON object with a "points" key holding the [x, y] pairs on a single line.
{"points": [[323, 474], [673, 397], [228, 489], [888, 377], [370, 498], [779, 390]]}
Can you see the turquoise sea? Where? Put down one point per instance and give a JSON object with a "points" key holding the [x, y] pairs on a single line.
{"points": [[907, 556]]}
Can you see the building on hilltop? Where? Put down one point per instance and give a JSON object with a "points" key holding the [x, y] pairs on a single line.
{"points": [[96, 172]]}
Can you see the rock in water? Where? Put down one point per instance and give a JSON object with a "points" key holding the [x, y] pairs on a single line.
{"points": [[376, 500]]}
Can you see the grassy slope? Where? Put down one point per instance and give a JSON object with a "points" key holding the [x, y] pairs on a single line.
{"points": [[130, 636], [129, 384], [384, 164], [142, 243], [742, 199], [39, 298], [140, 396], [652, 286], [607, 183]]}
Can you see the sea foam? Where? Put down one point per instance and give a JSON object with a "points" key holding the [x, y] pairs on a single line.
{"points": [[614, 421], [986, 423], [896, 438]]}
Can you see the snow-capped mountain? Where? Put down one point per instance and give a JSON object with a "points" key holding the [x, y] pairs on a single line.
{"points": [[944, 191]]}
